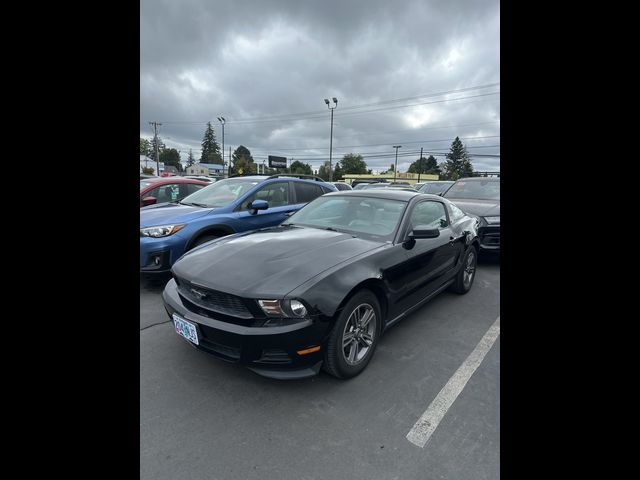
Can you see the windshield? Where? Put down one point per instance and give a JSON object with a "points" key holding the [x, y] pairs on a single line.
{"points": [[435, 187], [475, 189], [375, 185], [144, 183], [374, 218], [221, 193]]}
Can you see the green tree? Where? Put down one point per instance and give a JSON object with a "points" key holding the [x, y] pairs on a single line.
{"points": [[300, 168], [425, 165], [152, 147], [353, 163], [391, 168], [210, 148], [458, 164], [148, 170], [171, 156], [432, 166], [323, 172], [190, 159], [242, 162], [145, 146], [337, 173]]}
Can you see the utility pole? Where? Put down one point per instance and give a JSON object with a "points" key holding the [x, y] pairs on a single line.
{"points": [[420, 165], [222, 121], [395, 168], [155, 136], [229, 157]]}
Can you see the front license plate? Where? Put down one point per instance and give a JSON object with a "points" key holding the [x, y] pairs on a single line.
{"points": [[186, 329]]}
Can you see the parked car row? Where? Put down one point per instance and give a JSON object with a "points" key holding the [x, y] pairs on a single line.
{"points": [[286, 274]]}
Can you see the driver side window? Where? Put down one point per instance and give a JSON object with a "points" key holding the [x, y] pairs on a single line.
{"points": [[431, 214], [276, 194]]}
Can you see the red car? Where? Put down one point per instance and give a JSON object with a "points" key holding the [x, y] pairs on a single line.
{"points": [[167, 189]]}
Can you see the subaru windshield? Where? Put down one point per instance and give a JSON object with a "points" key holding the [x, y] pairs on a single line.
{"points": [[220, 193]]}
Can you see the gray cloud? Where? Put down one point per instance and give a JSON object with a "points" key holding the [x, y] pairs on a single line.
{"points": [[251, 60]]}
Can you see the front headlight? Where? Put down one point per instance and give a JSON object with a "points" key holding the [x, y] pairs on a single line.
{"points": [[161, 230], [297, 308], [492, 220], [283, 308]]}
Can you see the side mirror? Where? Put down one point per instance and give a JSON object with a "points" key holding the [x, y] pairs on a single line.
{"points": [[258, 205], [149, 201], [422, 231]]}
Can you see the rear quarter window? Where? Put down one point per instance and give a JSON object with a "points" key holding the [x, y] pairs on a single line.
{"points": [[306, 192]]}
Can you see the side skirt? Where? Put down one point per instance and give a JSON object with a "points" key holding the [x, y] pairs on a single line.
{"points": [[419, 304]]}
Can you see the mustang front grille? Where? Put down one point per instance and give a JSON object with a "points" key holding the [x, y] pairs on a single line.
{"points": [[213, 300]]}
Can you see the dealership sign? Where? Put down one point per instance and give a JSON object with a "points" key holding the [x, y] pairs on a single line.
{"points": [[277, 162]]}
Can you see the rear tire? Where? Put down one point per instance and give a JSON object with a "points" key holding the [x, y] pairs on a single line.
{"points": [[354, 336], [467, 274]]}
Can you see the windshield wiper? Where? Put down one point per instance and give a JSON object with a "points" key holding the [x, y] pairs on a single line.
{"points": [[332, 229], [194, 204]]}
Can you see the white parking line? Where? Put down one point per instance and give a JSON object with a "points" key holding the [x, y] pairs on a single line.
{"points": [[425, 426]]}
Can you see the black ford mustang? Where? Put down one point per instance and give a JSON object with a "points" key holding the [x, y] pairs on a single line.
{"points": [[321, 288]]}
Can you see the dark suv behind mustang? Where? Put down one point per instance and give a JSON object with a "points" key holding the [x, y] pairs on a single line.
{"points": [[480, 196]]}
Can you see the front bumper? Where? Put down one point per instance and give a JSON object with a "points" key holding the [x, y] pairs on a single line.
{"points": [[489, 237], [159, 254], [268, 351]]}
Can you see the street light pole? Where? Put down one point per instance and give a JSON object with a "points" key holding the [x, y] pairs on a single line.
{"points": [[335, 101], [395, 168], [222, 121]]}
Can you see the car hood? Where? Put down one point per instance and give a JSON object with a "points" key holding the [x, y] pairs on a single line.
{"points": [[168, 213], [268, 263], [482, 208]]}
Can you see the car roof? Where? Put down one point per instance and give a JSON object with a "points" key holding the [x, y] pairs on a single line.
{"points": [[480, 179], [171, 180], [263, 178], [386, 193]]}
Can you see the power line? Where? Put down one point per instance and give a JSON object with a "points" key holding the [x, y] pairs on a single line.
{"points": [[316, 114], [349, 114], [275, 149]]}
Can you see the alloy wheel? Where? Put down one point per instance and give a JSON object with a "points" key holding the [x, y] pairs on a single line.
{"points": [[469, 269], [359, 333]]}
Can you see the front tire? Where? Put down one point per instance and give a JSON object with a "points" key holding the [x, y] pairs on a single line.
{"points": [[203, 239], [354, 336]]}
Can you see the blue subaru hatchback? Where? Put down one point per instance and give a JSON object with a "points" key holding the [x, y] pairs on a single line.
{"points": [[228, 206]]}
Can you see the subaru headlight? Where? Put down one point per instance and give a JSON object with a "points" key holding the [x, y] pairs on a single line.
{"points": [[161, 230], [492, 220]]}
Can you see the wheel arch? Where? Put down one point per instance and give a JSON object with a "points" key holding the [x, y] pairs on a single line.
{"points": [[375, 286], [218, 229]]}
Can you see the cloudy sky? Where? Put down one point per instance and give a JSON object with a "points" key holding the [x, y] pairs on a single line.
{"points": [[411, 73]]}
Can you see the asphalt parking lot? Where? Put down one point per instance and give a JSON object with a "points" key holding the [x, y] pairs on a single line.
{"points": [[201, 418]]}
